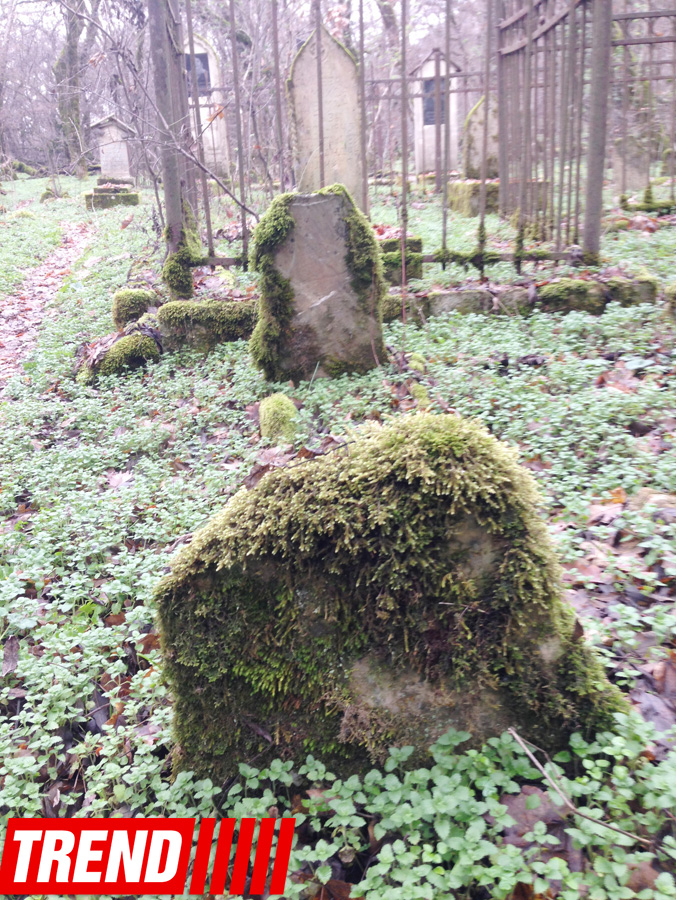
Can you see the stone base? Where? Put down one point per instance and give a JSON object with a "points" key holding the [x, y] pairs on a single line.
{"points": [[464, 197], [109, 179], [373, 599], [105, 198], [391, 250], [203, 324], [560, 295]]}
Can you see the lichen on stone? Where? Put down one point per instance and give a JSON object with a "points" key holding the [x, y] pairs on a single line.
{"points": [[418, 548], [129, 304], [278, 418]]}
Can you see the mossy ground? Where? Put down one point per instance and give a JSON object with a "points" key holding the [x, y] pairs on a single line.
{"points": [[354, 554]]}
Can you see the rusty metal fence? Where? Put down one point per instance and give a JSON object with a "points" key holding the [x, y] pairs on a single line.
{"points": [[573, 85]]}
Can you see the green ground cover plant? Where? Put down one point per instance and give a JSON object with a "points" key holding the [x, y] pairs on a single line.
{"points": [[101, 483]]}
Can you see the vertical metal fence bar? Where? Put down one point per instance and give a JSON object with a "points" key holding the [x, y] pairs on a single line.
{"points": [[437, 120], [238, 128], [484, 147], [362, 101], [320, 90], [404, 153], [447, 131], [602, 24], [198, 127], [278, 92]]}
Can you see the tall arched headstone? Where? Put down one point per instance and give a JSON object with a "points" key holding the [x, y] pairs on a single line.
{"points": [[341, 116]]}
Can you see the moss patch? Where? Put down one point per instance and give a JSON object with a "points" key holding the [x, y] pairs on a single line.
{"points": [[572, 293], [108, 200], [129, 352], [203, 324], [393, 245], [464, 197], [129, 304], [278, 418], [420, 550], [392, 266], [178, 266]]}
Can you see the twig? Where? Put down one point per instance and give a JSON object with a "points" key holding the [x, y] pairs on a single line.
{"points": [[569, 803]]}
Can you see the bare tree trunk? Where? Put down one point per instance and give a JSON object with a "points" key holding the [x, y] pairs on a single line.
{"points": [[66, 73], [176, 272], [602, 23]]}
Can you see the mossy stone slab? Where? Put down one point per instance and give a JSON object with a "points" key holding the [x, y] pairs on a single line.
{"points": [[321, 285], [374, 597]]}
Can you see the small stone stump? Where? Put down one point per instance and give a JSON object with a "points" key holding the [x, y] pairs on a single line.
{"points": [[376, 597], [321, 286]]}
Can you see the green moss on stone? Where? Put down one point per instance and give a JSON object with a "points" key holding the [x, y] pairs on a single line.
{"points": [[567, 294], [393, 245], [419, 549], [276, 295], [178, 266], [417, 308], [278, 418], [203, 324], [420, 393], [392, 266], [464, 197], [23, 168], [275, 308], [109, 200], [129, 304], [130, 352]]}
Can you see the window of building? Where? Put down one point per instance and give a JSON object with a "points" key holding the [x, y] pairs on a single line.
{"points": [[428, 101], [202, 69]]}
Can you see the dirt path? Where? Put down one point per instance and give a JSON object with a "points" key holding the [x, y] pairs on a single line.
{"points": [[21, 312]]}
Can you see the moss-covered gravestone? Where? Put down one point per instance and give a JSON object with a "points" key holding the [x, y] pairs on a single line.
{"points": [[320, 278], [376, 596]]}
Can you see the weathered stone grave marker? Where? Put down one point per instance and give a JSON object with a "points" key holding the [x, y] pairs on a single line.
{"points": [[112, 137], [114, 182], [472, 141], [321, 286], [424, 115], [375, 597], [341, 116]]}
